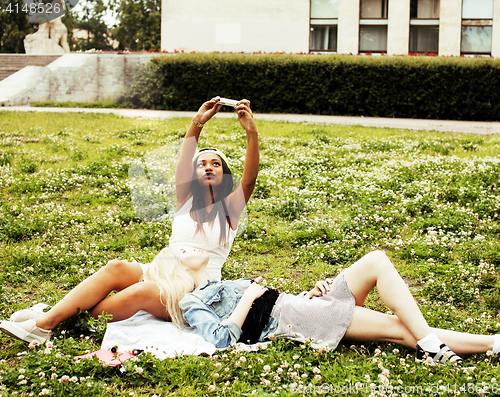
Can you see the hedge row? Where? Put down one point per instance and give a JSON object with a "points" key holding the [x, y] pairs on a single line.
{"points": [[408, 87]]}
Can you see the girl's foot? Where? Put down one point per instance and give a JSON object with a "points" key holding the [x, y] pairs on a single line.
{"points": [[26, 331], [440, 357], [24, 314]]}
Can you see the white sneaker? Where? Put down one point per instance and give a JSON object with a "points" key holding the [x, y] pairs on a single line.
{"points": [[26, 331], [24, 314]]}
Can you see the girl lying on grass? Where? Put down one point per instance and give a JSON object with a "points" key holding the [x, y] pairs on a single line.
{"points": [[206, 218], [243, 311]]}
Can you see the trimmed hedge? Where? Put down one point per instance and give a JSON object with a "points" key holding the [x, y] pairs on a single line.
{"points": [[407, 87]]}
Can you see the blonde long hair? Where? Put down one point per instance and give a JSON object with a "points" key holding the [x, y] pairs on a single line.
{"points": [[174, 282]]}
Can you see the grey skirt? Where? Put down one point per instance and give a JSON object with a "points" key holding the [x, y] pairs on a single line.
{"points": [[322, 320]]}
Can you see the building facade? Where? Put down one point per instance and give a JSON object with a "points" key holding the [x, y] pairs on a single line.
{"points": [[395, 27]]}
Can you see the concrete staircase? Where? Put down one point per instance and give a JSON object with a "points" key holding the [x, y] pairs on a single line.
{"points": [[79, 77], [11, 63]]}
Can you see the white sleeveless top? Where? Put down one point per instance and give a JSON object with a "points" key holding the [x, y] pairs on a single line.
{"points": [[183, 235]]}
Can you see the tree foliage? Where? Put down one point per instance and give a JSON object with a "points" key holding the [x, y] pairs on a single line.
{"points": [[14, 27], [91, 20], [139, 26]]}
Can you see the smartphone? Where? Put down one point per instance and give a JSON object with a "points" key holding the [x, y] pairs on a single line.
{"points": [[228, 102]]}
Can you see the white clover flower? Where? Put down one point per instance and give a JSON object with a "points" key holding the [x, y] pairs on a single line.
{"points": [[33, 344]]}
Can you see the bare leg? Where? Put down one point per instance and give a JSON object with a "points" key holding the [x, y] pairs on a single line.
{"points": [[371, 326], [376, 270], [139, 296], [115, 276]]}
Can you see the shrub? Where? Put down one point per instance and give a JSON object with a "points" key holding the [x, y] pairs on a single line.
{"points": [[426, 88]]}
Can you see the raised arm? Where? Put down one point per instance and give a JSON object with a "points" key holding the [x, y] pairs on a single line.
{"points": [[238, 199], [184, 167]]}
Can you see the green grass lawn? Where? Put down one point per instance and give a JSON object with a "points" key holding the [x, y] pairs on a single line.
{"points": [[325, 196]]}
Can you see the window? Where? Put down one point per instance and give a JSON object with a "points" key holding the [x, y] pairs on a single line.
{"points": [[373, 38], [324, 21], [373, 26], [374, 9], [424, 26], [477, 9], [323, 38], [424, 39], [476, 39], [424, 9], [321, 9], [477, 26]]}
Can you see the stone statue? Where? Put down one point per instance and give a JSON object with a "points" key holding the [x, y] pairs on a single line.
{"points": [[52, 35]]}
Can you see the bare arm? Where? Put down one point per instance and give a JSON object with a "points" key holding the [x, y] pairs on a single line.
{"points": [[243, 307], [184, 167], [238, 199], [214, 329]]}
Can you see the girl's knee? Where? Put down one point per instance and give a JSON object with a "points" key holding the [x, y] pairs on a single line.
{"points": [[380, 259], [119, 268], [378, 256], [114, 265]]}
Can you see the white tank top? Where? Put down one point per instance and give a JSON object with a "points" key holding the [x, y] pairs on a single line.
{"points": [[183, 235]]}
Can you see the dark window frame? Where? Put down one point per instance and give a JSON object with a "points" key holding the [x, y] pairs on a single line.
{"points": [[382, 11], [424, 19], [422, 52], [461, 38], [326, 25], [360, 51]]}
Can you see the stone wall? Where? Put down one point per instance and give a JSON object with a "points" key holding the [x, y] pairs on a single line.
{"points": [[77, 77]]}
